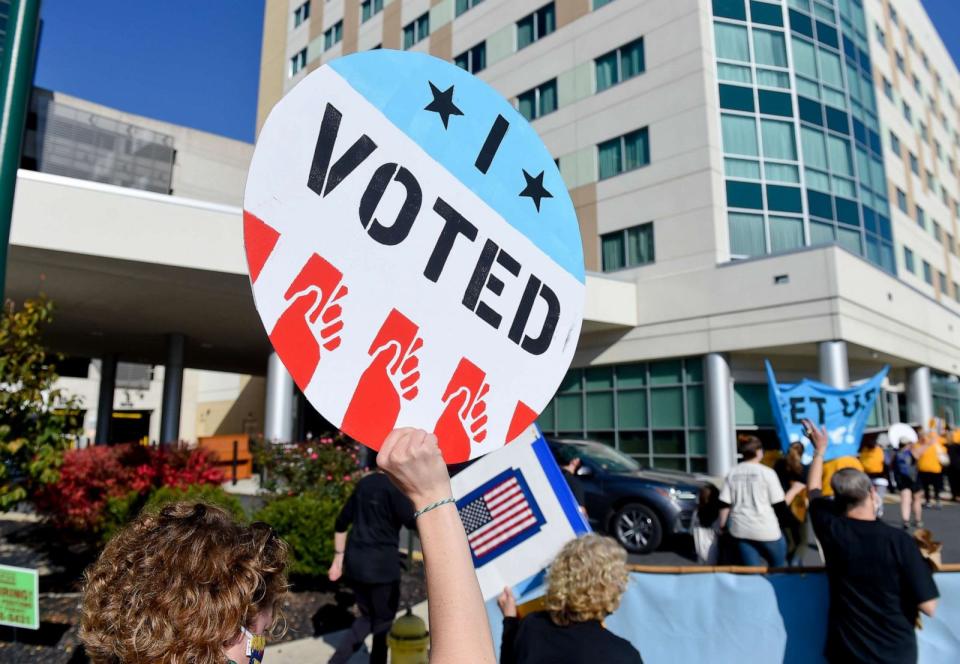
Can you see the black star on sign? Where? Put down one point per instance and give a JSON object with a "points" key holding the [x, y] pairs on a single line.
{"points": [[442, 103], [534, 189]]}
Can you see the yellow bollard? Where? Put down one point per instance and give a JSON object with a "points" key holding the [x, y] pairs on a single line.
{"points": [[409, 640]]}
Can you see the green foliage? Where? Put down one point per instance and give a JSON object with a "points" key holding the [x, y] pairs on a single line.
{"points": [[118, 512], [37, 421], [196, 493], [325, 467], [305, 522]]}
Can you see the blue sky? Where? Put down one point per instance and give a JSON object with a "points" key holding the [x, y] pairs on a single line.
{"points": [[196, 62], [191, 62]]}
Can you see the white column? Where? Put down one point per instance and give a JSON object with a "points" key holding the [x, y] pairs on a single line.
{"points": [[721, 434], [280, 407], [919, 396], [834, 370]]}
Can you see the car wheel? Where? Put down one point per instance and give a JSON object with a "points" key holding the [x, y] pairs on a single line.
{"points": [[637, 528]]}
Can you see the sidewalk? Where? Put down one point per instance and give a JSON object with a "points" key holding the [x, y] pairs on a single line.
{"points": [[319, 649]]}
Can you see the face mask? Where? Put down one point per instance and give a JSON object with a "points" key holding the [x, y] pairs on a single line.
{"points": [[255, 646]]}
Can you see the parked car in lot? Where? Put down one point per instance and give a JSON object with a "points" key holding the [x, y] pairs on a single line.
{"points": [[638, 506]]}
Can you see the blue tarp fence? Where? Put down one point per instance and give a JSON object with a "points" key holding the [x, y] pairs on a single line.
{"points": [[757, 618]]}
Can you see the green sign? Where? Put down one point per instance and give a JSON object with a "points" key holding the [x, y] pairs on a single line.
{"points": [[19, 597]]}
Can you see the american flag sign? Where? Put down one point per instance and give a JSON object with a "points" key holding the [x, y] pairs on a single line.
{"points": [[499, 515]]}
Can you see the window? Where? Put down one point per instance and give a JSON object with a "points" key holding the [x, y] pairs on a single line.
{"points": [[301, 14], [908, 260], [881, 36], [538, 101], [914, 164], [732, 43], [910, 39], [369, 9], [536, 26], [937, 231], [333, 35], [739, 135], [923, 132], [620, 64], [956, 291], [942, 278], [627, 248], [902, 201], [652, 411], [887, 89], [927, 273], [907, 113], [893, 16], [931, 183], [473, 59], [624, 153], [895, 145], [916, 85], [416, 31], [466, 5], [900, 64], [921, 217], [950, 245], [298, 62], [597, 4]]}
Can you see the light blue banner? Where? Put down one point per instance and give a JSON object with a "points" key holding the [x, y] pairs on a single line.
{"points": [[713, 617], [843, 412]]}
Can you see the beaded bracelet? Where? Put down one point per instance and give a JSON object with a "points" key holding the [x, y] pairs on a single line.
{"points": [[433, 506]]}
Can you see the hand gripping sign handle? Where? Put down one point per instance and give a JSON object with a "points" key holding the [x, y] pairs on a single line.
{"points": [[465, 409], [392, 373], [293, 337]]}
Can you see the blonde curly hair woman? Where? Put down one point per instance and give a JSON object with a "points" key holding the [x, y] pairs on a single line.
{"points": [[187, 585], [584, 586]]}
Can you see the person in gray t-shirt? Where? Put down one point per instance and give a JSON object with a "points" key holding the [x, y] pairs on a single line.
{"points": [[750, 498]]}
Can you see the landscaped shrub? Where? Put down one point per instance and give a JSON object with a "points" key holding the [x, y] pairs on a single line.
{"points": [[324, 466], [306, 523], [96, 483]]}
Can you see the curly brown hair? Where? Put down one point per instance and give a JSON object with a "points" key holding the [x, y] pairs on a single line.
{"points": [[176, 586], [586, 580]]}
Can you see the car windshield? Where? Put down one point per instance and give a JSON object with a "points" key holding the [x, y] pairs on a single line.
{"points": [[607, 458]]}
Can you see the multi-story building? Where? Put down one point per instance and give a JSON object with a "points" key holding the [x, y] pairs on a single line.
{"points": [[753, 179]]}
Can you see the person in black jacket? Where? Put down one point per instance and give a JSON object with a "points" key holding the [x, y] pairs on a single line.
{"points": [[584, 586], [370, 560]]}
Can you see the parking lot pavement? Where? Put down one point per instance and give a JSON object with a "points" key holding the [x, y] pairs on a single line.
{"points": [[943, 523]]}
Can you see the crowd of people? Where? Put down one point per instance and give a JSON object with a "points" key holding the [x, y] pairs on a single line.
{"points": [[761, 514], [190, 585]]}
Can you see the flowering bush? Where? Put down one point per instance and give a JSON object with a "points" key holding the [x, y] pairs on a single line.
{"points": [[100, 479], [325, 466]]}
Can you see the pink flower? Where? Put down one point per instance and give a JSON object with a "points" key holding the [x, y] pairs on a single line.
{"points": [[346, 478], [329, 477], [314, 456]]}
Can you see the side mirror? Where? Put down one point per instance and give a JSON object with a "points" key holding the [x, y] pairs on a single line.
{"points": [[584, 471]]}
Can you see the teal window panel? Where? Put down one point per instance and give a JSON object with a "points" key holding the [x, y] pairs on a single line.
{"points": [[695, 406], [762, 12], [569, 412], [752, 405], [730, 9], [600, 410], [739, 135], [598, 378], [784, 199], [669, 442], [747, 234], [635, 442], [666, 372], [732, 42], [736, 98], [631, 375], [786, 233], [632, 409], [744, 195], [693, 370], [775, 103]]}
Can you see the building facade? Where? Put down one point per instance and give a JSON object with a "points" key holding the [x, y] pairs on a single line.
{"points": [[766, 179]]}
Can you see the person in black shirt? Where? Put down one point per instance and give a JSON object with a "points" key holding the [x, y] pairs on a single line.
{"points": [[370, 560], [879, 582], [584, 586]]}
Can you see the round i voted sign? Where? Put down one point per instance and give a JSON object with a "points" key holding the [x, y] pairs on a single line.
{"points": [[413, 252]]}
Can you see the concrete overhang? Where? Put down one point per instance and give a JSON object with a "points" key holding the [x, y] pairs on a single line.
{"points": [[124, 267]]}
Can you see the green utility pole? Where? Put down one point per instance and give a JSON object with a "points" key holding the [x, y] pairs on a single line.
{"points": [[23, 26]]}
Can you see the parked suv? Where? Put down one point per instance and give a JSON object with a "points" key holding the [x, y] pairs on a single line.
{"points": [[635, 505]]}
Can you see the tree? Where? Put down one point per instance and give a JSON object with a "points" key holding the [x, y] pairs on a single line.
{"points": [[38, 421]]}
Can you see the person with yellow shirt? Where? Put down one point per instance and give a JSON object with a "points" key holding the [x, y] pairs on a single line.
{"points": [[832, 466], [906, 474], [930, 471], [872, 460]]}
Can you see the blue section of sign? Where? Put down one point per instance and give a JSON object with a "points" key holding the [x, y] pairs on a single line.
{"points": [[560, 487], [843, 412], [398, 83]]}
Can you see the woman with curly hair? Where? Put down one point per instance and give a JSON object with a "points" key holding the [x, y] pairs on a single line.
{"points": [[584, 586], [185, 585]]}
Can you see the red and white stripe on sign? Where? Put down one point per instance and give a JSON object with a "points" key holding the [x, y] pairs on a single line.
{"points": [[503, 514]]}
